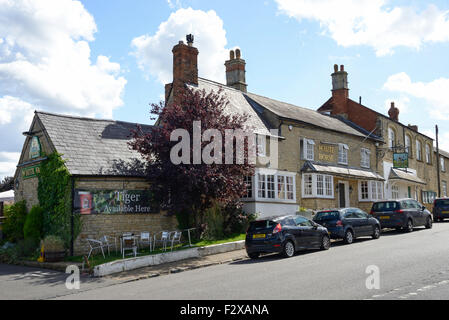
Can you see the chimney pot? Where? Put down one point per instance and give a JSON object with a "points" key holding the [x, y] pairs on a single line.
{"points": [[342, 68], [393, 112], [235, 71], [237, 53], [335, 68]]}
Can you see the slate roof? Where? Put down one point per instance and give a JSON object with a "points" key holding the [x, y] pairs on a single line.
{"points": [[91, 146], [237, 104], [290, 111]]}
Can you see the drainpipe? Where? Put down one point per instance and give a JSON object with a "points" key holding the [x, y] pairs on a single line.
{"points": [[438, 163]]}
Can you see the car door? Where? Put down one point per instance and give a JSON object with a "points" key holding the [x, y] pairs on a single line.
{"points": [[363, 223], [350, 220], [416, 212], [420, 213], [306, 232]]}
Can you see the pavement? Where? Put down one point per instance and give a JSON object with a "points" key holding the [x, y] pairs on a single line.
{"points": [[180, 266]]}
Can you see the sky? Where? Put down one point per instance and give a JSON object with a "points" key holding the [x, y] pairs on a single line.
{"points": [[110, 59]]}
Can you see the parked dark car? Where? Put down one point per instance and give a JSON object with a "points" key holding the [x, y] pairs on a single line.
{"points": [[401, 214], [348, 223], [285, 235], [440, 209]]}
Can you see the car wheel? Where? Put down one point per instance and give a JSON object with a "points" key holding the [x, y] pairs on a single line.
{"points": [[289, 249], [349, 237], [429, 223], [409, 227], [376, 232], [254, 255], [325, 243]]}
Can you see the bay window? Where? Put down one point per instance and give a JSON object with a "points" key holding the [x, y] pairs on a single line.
{"points": [[273, 186]]}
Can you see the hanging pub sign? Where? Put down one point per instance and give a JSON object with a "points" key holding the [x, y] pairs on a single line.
{"points": [[35, 148], [114, 202], [400, 160]]}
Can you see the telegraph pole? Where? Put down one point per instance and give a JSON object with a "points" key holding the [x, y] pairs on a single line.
{"points": [[438, 163]]}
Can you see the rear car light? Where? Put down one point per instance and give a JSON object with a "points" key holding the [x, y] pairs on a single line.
{"points": [[371, 212], [339, 223], [277, 229], [399, 211]]}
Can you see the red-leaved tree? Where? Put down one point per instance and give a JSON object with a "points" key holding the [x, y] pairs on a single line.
{"points": [[187, 187]]}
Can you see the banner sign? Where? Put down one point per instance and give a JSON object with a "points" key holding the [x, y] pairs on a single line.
{"points": [[114, 202], [30, 172], [400, 160]]}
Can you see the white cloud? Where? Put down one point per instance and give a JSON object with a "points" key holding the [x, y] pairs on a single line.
{"points": [[46, 64], [8, 162], [443, 138], [433, 93], [401, 102], [153, 52], [372, 22]]}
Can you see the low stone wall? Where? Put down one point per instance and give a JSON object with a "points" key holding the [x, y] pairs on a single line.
{"points": [[152, 260]]}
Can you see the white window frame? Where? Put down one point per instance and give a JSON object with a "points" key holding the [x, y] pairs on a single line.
{"points": [[249, 184], [418, 150], [442, 164], [343, 153], [374, 192], [365, 158], [427, 154], [407, 144], [395, 191], [327, 183], [266, 186], [391, 138], [308, 149]]}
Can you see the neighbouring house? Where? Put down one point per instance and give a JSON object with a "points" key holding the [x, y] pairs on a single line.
{"points": [[406, 162]]}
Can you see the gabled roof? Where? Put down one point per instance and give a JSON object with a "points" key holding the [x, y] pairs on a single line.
{"points": [[91, 146], [329, 105], [290, 111], [237, 104]]}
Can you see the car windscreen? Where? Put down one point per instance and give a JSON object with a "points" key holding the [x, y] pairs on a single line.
{"points": [[442, 203], [261, 225], [327, 215], [385, 206]]}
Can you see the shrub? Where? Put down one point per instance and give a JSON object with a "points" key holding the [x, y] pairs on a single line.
{"points": [[34, 223], [15, 221], [237, 221], [214, 223], [53, 244]]}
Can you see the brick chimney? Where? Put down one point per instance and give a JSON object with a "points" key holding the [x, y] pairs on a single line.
{"points": [[235, 71], [413, 127], [393, 113], [340, 91], [185, 66]]}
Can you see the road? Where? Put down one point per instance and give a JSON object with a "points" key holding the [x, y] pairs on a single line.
{"points": [[411, 266]]}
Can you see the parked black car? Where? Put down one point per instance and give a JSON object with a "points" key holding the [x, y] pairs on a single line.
{"points": [[440, 209], [348, 223], [285, 235], [401, 214]]}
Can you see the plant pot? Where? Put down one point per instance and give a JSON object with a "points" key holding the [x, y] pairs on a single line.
{"points": [[54, 256]]}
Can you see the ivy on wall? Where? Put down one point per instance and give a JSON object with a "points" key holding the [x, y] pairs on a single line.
{"points": [[55, 197]]}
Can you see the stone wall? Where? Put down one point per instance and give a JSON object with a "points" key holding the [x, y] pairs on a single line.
{"points": [[97, 225]]}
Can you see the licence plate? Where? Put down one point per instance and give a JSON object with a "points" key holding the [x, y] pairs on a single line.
{"points": [[385, 217], [258, 236], [445, 212]]}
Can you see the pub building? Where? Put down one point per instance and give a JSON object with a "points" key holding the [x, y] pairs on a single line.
{"points": [[110, 199]]}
